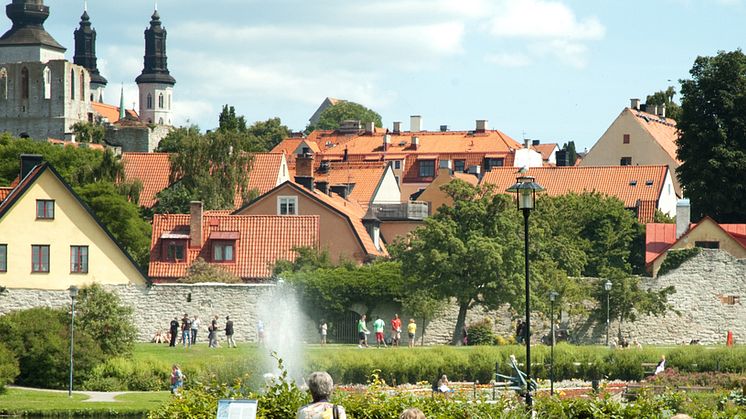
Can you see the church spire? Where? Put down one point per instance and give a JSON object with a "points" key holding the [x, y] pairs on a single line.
{"points": [[155, 69], [122, 112], [85, 49], [28, 18]]}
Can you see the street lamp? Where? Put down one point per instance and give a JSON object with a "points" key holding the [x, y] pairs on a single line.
{"points": [[525, 189], [552, 298], [73, 295], [607, 287]]}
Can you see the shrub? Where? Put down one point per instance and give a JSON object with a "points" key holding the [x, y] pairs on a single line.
{"points": [[480, 332], [102, 315], [202, 271], [8, 367], [40, 340]]}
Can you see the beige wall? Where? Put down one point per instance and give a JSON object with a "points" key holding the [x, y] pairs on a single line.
{"points": [[335, 235], [434, 195], [391, 230], [72, 225], [644, 150], [705, 231]]}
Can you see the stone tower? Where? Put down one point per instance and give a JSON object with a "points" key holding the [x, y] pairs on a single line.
{"points": [[85, 56], [155, 83], [27, 40]]}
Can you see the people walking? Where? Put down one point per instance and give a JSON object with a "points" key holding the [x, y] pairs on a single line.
{"points": [[229, 332], [323, 329], [186, 331], [411, 331], [195, 329], [362, 332], [173, 331], [177, 379], [260, 332], [214, 332], [519, 331], [378, 327], [396, 330]]}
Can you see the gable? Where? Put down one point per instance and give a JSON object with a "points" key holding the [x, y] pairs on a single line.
{"points": [[73, 225], [388, 190]]}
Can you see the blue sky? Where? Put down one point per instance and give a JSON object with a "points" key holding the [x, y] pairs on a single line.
{"points": [[551, 70]]}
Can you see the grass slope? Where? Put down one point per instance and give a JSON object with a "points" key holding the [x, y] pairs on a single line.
{"points": [[42, 403]]}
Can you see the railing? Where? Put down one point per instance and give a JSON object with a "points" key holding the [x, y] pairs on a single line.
{"points": [[415, 210]]}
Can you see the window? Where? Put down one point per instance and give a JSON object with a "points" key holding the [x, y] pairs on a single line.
{"points": [[79, 259], [625, 161], [459, 165], [222, 251], [44, 209], [707, 244], [72, 84], [150, 101], [24, 83], [3, 83], [82, 85], [175, 251], [160, 101], [3, 258], [625, 139], [397, 164], [427, 168], [160, 121], [287, 205], [489, 163], [169, 104], [47, 83], [39, 258]]}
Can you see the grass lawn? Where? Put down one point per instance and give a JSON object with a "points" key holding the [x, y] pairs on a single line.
{"points": [[30, 402]]}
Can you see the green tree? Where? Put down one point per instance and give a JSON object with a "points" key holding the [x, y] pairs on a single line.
{"points": [[102, 315], [8, 367], [572, 154], [471, 251], [201, 271], [665, 97], [174, 200], [86, 132], [229, 122], [332, 116], [307, 258], [269, 133], [712, 141], [120, 216], [172, 142]]}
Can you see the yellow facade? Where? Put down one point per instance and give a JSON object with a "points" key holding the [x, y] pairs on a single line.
{"points": [[72, 226]]}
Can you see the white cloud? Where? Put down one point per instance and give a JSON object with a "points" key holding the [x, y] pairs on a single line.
{"points": [[508, 59], [542, 19]]}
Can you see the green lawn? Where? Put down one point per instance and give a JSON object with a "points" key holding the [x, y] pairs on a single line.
{"points": [[30, 402]]}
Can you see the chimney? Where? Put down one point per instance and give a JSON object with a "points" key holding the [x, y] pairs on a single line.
{"points": [[397, 127], [535, 142], [195, 224], [444, 128], [341, 190], [304, 171], [526, 143], [481, 125], [635, 104], [386, 142], [416, 142], [652, 109], [683, 217], [28, 162], [370, 128], [323, 186], [415, 123], [662, 111], [372, 225]]}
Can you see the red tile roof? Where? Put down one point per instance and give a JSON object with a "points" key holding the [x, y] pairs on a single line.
{"points": [[110, 112], [646, 210], [262, 241], [545, 149], [4, 192], [152, 169], [265, 172], [663, 130], [628, 183], [366, 177], [660, 237]]}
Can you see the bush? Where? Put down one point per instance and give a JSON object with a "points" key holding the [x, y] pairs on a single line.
{"points": [[480, 333], [8, 367], [117, 374], [40, 340], [102, 315]]}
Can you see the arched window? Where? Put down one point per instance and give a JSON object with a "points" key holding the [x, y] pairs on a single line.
{"points": [[47, 83], [160, 101], [82, 85], [160, 121], [3, 83], [150, 101], [169, 102], [72, 84], [24, 83]]}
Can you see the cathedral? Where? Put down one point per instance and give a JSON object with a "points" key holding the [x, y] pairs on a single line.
{"points": [[42, 95]]}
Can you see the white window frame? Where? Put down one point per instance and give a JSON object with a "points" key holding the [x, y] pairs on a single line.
{"points": [[286, 200]]}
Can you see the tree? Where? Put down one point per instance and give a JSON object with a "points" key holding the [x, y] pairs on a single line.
{"points": [[471, 251], [174, 200], [201, 271], [332, 116], [269, 133], [172, 142], [665, 97], [572, 154], [86, 132], [229, 122], [712, 141], [102, 315], [121, 217]]}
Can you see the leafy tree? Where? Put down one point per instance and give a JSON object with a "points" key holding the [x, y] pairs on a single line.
{"points": [[471, 251], [307, 258], [174, 200], [628, 299], [661, 217], [102, 315], [572, 154], [712, 141], [172, 142], [332, 116], [229, 122], [201, 271], [269, 133], [8, 367], [86, 132], [422, 304], [120, 216], [665, 97]]}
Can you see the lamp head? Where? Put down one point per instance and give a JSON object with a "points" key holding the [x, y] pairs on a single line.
{"points": [[525, 190], [607, 285], [73, 291], [553, 296]]}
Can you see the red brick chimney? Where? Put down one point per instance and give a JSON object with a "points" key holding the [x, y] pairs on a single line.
{"points": [[304, 170], [195, 224]]}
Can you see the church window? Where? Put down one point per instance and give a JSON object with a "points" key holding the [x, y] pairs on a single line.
{"points": [[169, 102], [72, 84], [160, 121], [47, 83], [24, 83], [3, 83], [160, 101], [150, 101], [82, 85]]}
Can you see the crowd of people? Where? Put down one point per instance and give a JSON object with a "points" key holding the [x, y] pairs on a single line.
{"points": [[379, 328], [188, 328]]}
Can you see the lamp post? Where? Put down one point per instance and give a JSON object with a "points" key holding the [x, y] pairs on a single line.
{"points": [[73, 295], [525, 189], [552, 297], [607, 287]]}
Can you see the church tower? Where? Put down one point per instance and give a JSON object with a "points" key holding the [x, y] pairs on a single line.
{"points": [[155, 83], [85, 55], [27, 40]]}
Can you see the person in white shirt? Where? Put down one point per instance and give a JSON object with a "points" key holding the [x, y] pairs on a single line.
{"points": [[195, 329]]}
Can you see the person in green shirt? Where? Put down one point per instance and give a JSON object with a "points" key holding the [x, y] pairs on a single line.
{"points": [[378, 327], [362, 332]]}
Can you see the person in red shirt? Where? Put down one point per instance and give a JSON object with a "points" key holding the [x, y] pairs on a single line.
{"points": [[396, 329]]}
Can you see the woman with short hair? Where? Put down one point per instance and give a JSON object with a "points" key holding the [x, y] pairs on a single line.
{"points": [[320, 385]]}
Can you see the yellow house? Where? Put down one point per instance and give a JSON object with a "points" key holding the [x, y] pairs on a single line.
{"points": [[435, 196], [49, 239]]}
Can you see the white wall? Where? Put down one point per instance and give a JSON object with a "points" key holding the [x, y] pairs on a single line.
{"points": [[527, 157], [388, 191]]}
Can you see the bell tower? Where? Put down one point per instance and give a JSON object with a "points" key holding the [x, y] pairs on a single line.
{"points": [[27, 40], [155, 82], [85, 56]]}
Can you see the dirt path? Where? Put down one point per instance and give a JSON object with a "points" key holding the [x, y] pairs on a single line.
{"points": [[93, 396]]}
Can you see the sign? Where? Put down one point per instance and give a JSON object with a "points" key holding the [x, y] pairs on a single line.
{"points": [[237, 409]]}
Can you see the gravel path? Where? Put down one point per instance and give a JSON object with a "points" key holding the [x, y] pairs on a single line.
{"points": [[93, 396]]}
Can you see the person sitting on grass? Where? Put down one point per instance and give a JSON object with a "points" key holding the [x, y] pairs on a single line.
{"points": [[177, 379], [320, 385], [443, 385], [412, 413]]}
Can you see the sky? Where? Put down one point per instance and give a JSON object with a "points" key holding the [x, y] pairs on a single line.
{"points": [[548, 70]]}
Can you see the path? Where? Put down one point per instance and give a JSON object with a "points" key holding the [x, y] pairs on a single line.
{"points": [[93, 396]]}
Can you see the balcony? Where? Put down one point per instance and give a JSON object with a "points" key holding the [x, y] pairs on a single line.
{"points": [[403, 211]]}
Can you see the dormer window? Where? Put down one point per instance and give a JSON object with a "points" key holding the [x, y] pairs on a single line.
{"points": [[427, 168], [459, 166], [175, 250], [491, 162], [223, 251]]}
